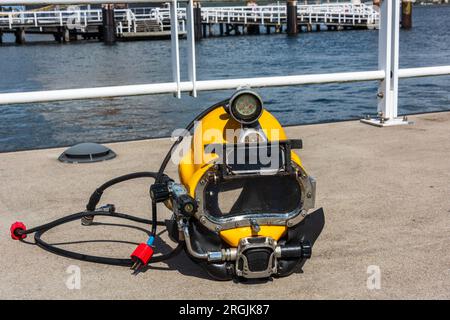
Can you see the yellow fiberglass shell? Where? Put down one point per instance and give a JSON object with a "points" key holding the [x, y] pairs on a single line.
{"points": [[215, 128]]}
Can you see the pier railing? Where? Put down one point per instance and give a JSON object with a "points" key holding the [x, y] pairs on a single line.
{"points": [[77, 18], [336, 13], [128, 19], [50, 18], [387, 73], [342, 13]]}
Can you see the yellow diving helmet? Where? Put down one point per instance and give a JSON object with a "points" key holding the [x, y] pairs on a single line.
{"points": [[250, 194]]}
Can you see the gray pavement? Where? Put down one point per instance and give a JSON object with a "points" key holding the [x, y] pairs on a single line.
{"points": [[385, 194]]}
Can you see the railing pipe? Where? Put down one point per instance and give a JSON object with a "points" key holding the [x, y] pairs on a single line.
{"points": [[187, 86], [423, 72], [388, 73]]}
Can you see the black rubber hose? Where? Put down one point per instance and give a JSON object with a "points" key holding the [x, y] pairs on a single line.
{"points": [[154, 217], [97, 194], [188, 129], [95, 199], [40, 230]]}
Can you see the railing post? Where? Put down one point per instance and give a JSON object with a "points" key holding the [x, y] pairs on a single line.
{"points": [[279, 15], [291, 17], [175, 51], [191, 46], [128, 17], [385, 103], [388, 59], [395, 57]]}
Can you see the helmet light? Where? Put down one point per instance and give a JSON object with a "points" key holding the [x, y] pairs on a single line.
{"points": [[246, 106]]}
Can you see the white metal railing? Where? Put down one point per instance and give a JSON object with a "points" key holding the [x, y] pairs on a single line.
{"points": [[344, 12], [387, 74], [339, 13], [50, 18], [126, 19]]}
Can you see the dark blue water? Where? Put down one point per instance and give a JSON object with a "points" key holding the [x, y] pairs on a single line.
{"points": [[47, 65]]}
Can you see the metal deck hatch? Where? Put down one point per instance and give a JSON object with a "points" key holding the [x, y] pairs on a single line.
{"points": [[86, 153]]}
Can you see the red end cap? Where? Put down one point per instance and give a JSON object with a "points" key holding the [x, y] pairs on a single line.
{"points": [[143, 253], [14, 228]]}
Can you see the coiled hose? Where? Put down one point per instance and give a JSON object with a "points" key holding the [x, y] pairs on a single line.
{"points": [[94, 199]]}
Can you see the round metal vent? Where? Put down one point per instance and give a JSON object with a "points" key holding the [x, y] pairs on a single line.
{"points": [[86, 153]]}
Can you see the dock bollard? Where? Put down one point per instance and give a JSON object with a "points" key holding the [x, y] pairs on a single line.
{"points": [[62, 35], [210, 30], [109, 24], [20, 35], [253, 29], [204, 28], [406, 14], [291, 10], [65, 35], [198, 28]]}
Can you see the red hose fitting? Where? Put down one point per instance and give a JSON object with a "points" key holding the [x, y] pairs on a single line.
{"points": [[141, 256], [16, 226]]}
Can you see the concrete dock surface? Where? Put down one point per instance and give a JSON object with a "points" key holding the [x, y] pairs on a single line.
{"points": [[385, 193]]}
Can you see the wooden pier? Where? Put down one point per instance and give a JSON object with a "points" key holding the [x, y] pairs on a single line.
{"points": [[109, 24]]}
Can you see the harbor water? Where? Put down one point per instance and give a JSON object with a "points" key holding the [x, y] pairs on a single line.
{"points": [[42, 64]]}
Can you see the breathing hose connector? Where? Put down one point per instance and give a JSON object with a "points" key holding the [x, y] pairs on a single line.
{"points": [[16, 230], [142, 255], [94, 199]]}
